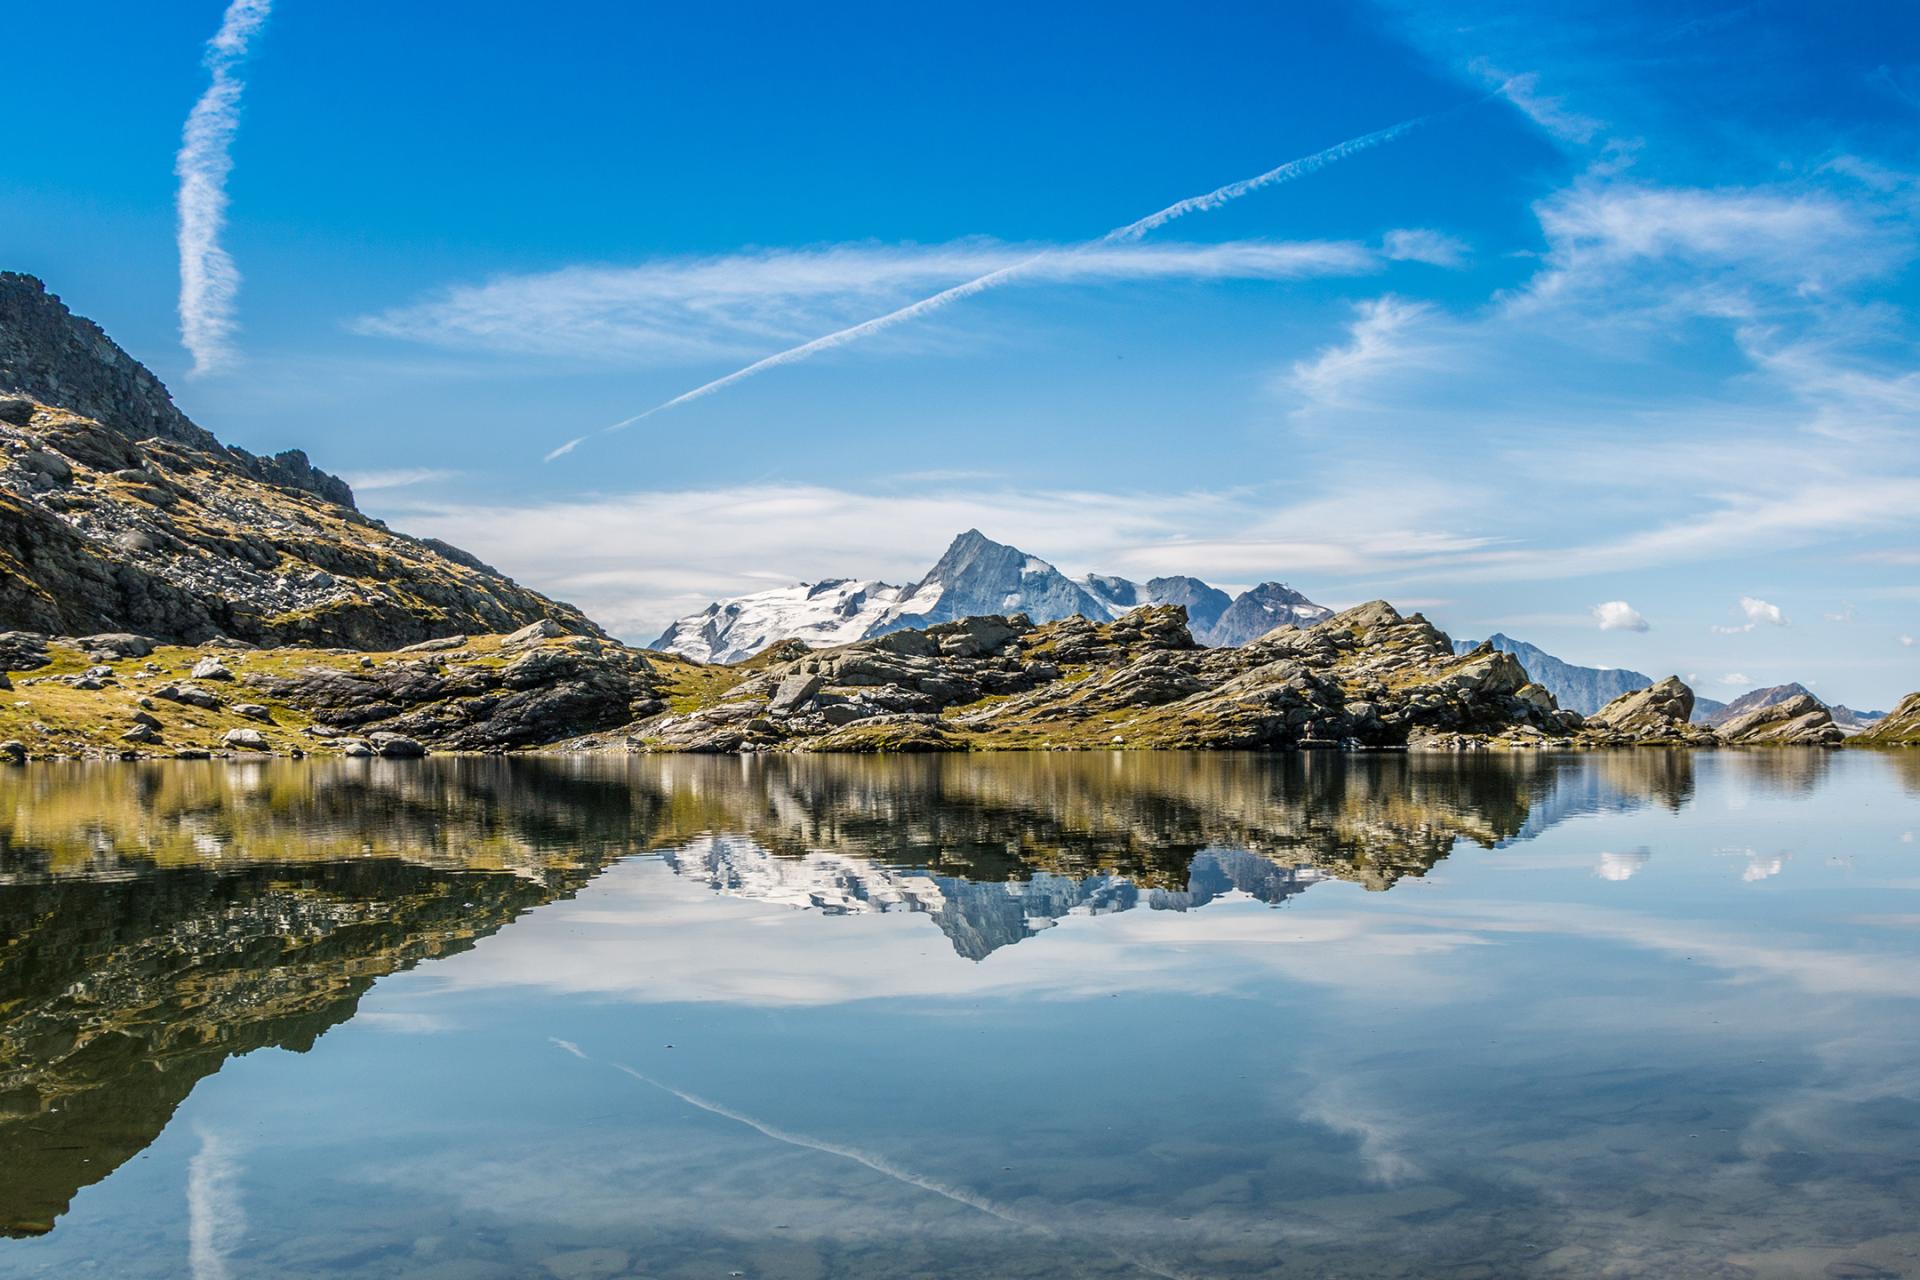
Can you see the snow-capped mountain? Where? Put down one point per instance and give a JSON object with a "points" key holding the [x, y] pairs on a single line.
{"points": [[975, 576], [977, 916]]}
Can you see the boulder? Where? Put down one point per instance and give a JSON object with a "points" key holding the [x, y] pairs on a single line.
{"points": [[143, 718], [16, 410], [1898, 728], [244, 739], [435, 646], [533, 633], [13, 751], [211, 668], [252, 711], [191, 695], [116, 644], [1659, 710], [354, 747], [1801, 720], [793, 693], [141, 733], [394, 746]]}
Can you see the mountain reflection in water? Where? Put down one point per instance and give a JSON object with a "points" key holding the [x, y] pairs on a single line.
{"points": [[157, 920]]}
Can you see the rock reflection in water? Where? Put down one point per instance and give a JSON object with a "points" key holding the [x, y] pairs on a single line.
{"points": [[158, 920]]}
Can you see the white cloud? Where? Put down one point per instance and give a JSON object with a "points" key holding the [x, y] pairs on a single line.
{"points": [[1378, 341], [1621, 866], [1736, 678], [1759, 613], [1618, 615], [678, 309], [1548, 111], [1420, 244], [629, 561], [1907, 641], [396, 478], [209, 281]]}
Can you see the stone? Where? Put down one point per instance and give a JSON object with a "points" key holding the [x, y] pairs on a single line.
{"points": [[16, 410], [149, 721], [88, 683], [13, 751], [4, 682], [435, 646], [191, 695], [1801, 720], [116, 644], [394, 746], [252, 711], [793, 693], [354, 747], [533, 633], [244, 739], [140, 733], [211, 668]]}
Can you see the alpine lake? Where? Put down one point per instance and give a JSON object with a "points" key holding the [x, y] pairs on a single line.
{"points": [[1633, 1014]]}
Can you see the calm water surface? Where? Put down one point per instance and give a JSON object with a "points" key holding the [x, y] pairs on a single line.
{"points": [[1646, 1014]]}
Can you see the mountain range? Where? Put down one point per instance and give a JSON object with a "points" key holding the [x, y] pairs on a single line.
{"points": [[975, 576]]}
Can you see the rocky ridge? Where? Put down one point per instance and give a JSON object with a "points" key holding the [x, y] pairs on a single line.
{"points": [[117, 513]]}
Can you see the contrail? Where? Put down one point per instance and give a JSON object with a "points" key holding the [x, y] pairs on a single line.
{"points": [[208, 279], [879, 1164], [1287, 172], [215, 1219]]}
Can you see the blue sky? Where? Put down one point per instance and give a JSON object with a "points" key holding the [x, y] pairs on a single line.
{"points": [[1627, 321]]}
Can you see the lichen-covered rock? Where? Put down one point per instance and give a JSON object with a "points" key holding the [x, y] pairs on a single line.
{"points": [[1801, 720], [1899, 728], [1658, 713], [245, 739]]}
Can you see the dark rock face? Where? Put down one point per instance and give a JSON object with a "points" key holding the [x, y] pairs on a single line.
{"points": [[117, 513], [545, 695], [50, 355], [1577, 688]]}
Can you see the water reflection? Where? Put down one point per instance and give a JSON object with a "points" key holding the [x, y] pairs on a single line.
{"points": [[157, 921]]}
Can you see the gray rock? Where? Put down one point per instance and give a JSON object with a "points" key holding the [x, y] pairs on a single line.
{"points": [[354, 747], [394, 746], [533, 633], [13, 751], [15, 410], [1802, 720], [211, 668], [191, 695], [245, 739], [141, 733], [793, 693], [116, 644], [149, 721], [435, 646], [252, 711]]}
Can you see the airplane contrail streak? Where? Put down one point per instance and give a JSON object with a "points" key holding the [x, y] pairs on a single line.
{"points": [[1288, 172], [879, 1164]]}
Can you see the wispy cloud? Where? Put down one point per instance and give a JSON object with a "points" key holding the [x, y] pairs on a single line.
{"points": [[1289, 172], [396, 478], [1618, 615], [1758, 613], [682, 309], [1380, 339], [215, 1219], [209, 281]]}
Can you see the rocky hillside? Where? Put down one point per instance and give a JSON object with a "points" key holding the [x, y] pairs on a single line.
{"points": [[117, 513], [976, 576], [1900, 727]]}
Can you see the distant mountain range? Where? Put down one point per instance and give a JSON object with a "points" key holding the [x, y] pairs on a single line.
{"points": [[1587, 689], [975, 576]]}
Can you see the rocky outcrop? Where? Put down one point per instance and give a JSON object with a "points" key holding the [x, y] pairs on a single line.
{"points": [[1802, 720], [1660, 713], [117, 513], [1898, 728], [1577, 688], [1366, 678]]}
